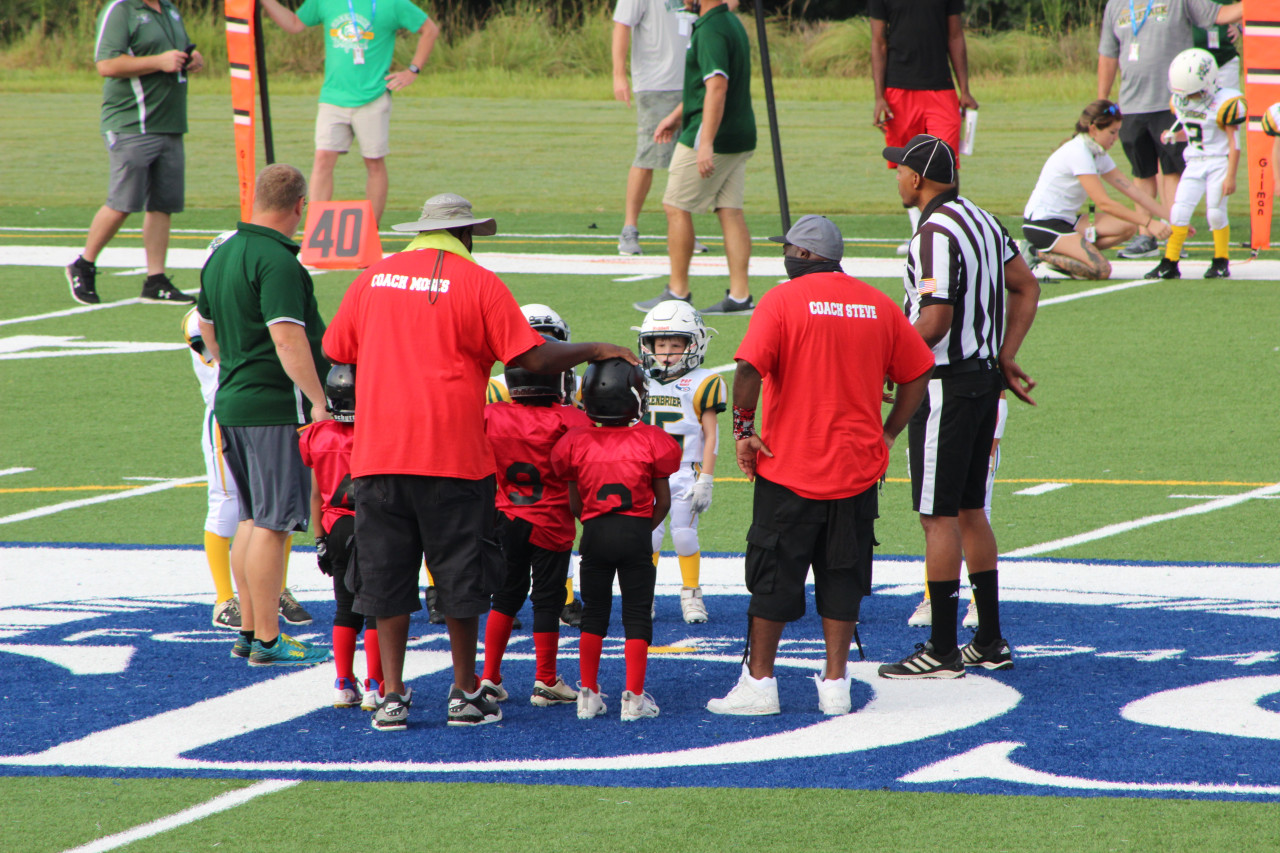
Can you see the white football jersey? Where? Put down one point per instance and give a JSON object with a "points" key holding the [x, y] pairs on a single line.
{"points": [[677, 406], [1207, 121]]}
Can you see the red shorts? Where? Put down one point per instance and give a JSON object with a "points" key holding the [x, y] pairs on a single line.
{"points": [[915, 111]]}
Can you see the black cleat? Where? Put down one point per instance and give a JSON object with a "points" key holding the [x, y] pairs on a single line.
{"points": [[1218, 269], [1167, 269], [571, 614]]}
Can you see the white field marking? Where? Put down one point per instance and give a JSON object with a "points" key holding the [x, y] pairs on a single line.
{"points": [[724, 368], [1112, 288], [645, 277], [7, 471], [1212, 497], [69, 312], [115, 496], [220, 803], [1126, 526], [1043, 488], [142, 271]]}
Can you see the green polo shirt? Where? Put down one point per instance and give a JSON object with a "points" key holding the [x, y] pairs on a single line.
{"points": [[152, 103], [719, 46], [252, 280]]}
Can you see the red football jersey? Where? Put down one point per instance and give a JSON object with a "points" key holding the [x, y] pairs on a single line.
{"points": [[615, 467], [326, 449], [522, 438]]}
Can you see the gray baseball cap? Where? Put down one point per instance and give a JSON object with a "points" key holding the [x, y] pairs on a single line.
{"points": [[448, 210], [816, 234]]}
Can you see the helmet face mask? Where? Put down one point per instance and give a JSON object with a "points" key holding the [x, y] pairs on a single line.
{"points": [[1194, 72], [614, 392], [672, 319], [340, 393]]}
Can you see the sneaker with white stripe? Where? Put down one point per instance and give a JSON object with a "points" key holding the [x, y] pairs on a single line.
{"points": [[994, 656], [925, 663]]}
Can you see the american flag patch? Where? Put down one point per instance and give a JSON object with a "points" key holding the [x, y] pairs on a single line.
{"points": [[927, 285]]}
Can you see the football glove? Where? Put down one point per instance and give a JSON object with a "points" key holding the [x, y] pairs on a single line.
{"points": [[700, 494], [322, 556]]}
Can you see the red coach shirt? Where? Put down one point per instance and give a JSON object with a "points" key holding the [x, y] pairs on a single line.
{"points": [[522, 438], [615, 467], [423, 339], [326, 450], [824, 344]]}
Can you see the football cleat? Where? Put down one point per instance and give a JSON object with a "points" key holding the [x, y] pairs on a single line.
{"points": [[590, 703], [346, 693], [1167, 269], [1219, 268], [637, 706], [922, 616], [692, 608], [556, 693]]}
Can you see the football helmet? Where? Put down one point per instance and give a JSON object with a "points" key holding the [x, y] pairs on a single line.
{"points": [[1271, 120], [525, 385], [673, 318], [614, 392], [191, 331], [544, 319], [340, 392], [1192, 72]]}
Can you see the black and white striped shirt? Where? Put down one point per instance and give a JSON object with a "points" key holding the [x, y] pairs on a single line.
{"points": [[957, 257]]}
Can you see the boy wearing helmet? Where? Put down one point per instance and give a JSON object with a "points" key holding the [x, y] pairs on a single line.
{"points": [[617, 477], [684, 400], [1207, 118]]}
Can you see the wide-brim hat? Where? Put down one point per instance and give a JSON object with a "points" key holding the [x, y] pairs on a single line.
{"points": [[448, 210]]}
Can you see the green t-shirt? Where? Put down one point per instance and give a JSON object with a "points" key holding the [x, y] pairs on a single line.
{"points": [[719, 46], [251, 280], [152, 103], [346, 83]]}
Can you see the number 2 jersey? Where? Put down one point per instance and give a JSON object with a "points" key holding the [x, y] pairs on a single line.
{"points": [[326, 449], [528, 487], [677, 406], [1207, 120], [615, 467]]}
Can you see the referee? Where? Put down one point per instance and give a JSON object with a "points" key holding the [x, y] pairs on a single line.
{"points": [[960, 265]]}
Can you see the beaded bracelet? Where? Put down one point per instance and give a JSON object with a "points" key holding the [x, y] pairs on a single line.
{"points": [[744, 422]]}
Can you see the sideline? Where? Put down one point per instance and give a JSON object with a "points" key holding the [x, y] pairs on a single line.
{"points": [[132, 493]]}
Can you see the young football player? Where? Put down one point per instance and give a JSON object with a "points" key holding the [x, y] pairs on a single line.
{"points": [[1207, 117], [684, 399], [535, 526], [617, 475], [326, 449]]}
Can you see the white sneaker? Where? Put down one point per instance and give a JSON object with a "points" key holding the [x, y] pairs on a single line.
{"points": [[903, 248], [637, 707], [556, 693], [922, 617], [833, 695], [372, 695], [749, 697], [346, 693], [494, 691], [590, 703], [971, 615], [691, 605]]}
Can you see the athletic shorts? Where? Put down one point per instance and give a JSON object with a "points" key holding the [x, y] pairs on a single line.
{"points": [[688, 190], [790, 533], [918, 111], [1045, 233], [1140, 136], [147, 172], [369, 124], [651, 109], [401, 518], [949, 439], [274, 485]]}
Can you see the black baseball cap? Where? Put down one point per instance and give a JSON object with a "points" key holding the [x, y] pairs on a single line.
{"points": [[928, 155]]}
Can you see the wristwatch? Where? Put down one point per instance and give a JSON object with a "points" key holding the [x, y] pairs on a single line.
{"points": [[415, 69]]}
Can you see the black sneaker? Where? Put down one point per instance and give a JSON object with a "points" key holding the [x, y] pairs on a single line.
{"points": [[994, 656], [83, 278], [1218, 269], [434, 615], [1167, 269], [1141, 246], [649, 304], [571, 614], [474, 710], [923, 663], [293, 612], [392, 714], [158, 290], [729, 305]]}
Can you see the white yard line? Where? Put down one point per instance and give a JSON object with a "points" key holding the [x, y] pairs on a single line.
{"points": [[8, 471], [70, 311], [114, 496], [1043, 488], [1112, 288], [221, 803]]}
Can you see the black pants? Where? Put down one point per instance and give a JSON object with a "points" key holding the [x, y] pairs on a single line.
{"points": [[617, 545], [342, 547], [527, 562]]}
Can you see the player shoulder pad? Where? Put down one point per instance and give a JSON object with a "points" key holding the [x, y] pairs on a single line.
{"points": [[1233, 109], [497, 391], [1271, 120]]}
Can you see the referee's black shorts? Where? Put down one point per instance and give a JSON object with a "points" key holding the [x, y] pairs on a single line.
{"points": [[790, 533], [950, 439]]}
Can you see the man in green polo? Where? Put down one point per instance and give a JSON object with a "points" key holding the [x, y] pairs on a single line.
{"points": [[258, 316], [143, 52]]}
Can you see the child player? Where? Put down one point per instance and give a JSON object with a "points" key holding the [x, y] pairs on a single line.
{"points": [[535, 526], [1207, 117], [326, 449], [617, 476], [684, 399]]}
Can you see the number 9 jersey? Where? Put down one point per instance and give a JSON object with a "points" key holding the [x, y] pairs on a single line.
{"points": [[677, 407]]}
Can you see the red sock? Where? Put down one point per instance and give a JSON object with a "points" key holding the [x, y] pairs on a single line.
{"points": [[546, 645], [344, 651], [372, 655], [589, 660], [497, 631], [637, 654]]}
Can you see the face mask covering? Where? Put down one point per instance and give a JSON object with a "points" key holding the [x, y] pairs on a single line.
{"points": [[797, 267]]}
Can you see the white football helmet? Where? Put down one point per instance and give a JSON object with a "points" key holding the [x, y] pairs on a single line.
{"points": [[673, 318], [543, 318], [1192, 72]]}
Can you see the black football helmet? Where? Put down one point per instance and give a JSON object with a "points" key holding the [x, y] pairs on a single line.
{"points": [[614, 392], [340, 392], [527, 386]]}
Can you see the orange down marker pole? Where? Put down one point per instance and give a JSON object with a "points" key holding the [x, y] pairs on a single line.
{"points": [[1261, 59], [242, 57]]}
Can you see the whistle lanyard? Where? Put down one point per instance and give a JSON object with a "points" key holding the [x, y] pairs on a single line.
{"points": [[1133, 22], [373, 13]]}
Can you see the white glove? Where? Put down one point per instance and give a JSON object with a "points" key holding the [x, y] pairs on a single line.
{"points": [[700, 494]]}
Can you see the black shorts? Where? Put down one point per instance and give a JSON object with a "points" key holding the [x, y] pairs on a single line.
{"points": [[1044, 233], [274, 485], [1140, 136], [790, 533], [950, 439], [401, 518]]}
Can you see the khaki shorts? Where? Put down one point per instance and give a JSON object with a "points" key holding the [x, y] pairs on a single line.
{"points": [[689, 191], [651, 109], [370, 124]]}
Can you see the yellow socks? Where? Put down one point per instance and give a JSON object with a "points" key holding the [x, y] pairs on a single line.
{"points": [[568, 591], [217, 550], [1222, 242], [1173, 249], [690, 568]]}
